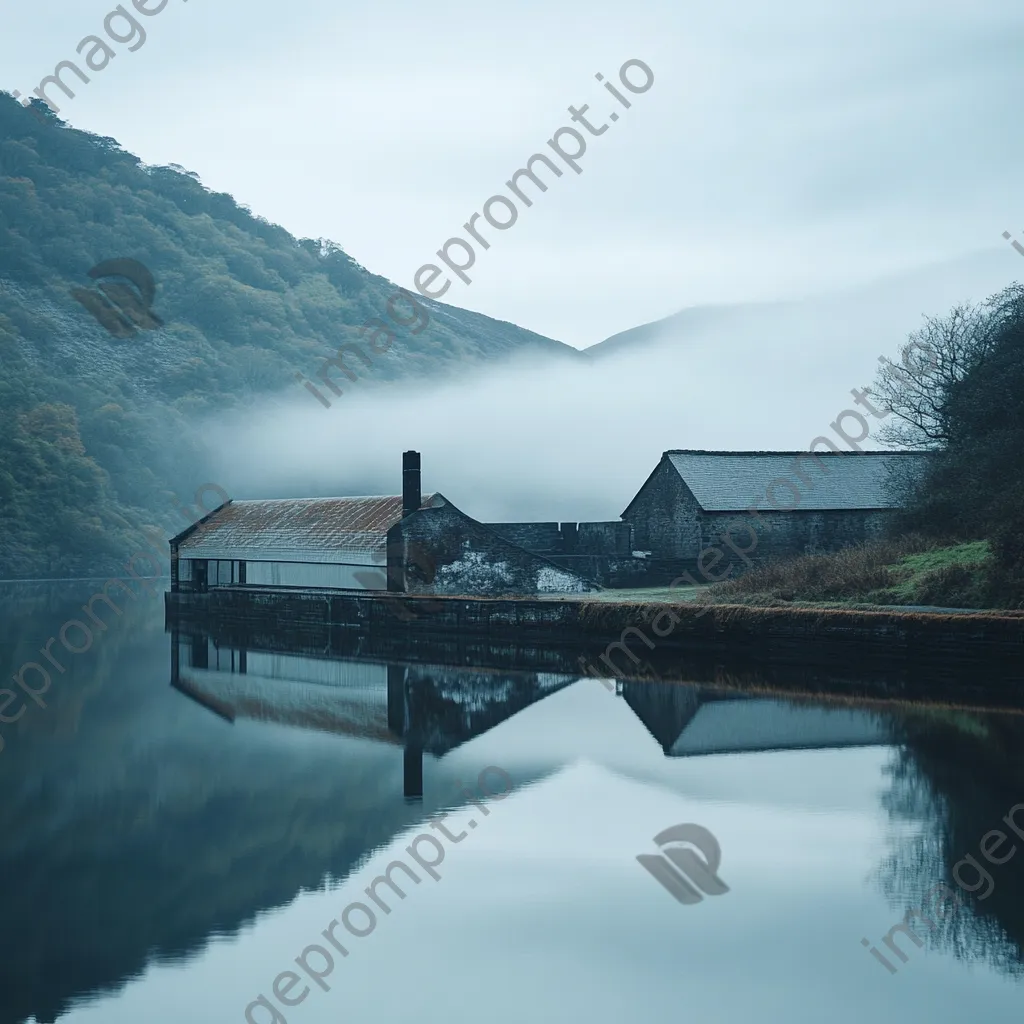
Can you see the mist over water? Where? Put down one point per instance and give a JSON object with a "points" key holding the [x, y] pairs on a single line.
{"points": [[538, 439]]}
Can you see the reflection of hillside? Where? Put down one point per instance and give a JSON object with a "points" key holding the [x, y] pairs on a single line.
{"points": [[165, 819], [160, 825], [961, 774], [30, 614], [107, 885]]}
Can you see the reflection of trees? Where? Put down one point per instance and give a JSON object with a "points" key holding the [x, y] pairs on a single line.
{"points": [[959, 775], [144, 824], [32, 613]]}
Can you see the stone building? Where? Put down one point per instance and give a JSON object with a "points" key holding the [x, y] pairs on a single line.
{"points": [[764, 504], [407, 543], [797, 502], [601, 551]]}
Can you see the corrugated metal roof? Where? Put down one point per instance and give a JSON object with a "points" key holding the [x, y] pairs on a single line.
{"points": [[307, 705], [299, 529], [736, 481]]}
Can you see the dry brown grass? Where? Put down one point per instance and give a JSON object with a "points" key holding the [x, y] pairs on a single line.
{"points": [[851, 574]]}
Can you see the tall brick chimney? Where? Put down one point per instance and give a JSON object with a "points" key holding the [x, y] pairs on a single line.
{"points": [[411, 496]]}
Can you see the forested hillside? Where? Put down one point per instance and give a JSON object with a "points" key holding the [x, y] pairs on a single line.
{"points": [[95, 430]]}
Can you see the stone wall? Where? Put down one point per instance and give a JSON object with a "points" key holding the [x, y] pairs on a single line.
{"points": [[896, 654], [778, 535], [540, 538], [609, 570], [602, 552], [469, 558], [664, 516], [612, 538]]}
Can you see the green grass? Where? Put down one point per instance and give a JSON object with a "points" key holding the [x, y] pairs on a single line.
{"points": [[901, 571], [971, 553], [953, 574]]}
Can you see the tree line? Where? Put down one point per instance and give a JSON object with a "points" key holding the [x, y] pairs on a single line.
{"points": [[965, 404]]}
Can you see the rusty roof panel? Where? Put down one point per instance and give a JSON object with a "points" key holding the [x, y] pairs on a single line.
{"points": [[299, 529]]}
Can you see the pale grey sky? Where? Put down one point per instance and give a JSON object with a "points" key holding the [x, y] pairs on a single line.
{"points": [[783, 150]]}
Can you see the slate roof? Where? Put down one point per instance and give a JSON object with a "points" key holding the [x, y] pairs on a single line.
{"points": [[727, 727], [297, 529], [690, 721], [735, 481]]}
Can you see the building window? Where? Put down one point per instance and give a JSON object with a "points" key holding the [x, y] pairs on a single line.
{"points": [[219, 572]]}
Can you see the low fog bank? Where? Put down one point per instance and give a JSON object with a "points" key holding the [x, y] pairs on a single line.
{"points": [[540, 439], [896, 299]]}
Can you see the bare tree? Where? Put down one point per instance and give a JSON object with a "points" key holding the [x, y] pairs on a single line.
{"points": [[935, 359]]}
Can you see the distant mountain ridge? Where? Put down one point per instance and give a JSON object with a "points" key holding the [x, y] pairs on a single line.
{"points": [[95, 430], [693, 318], [926, 290]]}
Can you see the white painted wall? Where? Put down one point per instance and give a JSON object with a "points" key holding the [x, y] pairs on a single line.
{"points": [[305, 574]]}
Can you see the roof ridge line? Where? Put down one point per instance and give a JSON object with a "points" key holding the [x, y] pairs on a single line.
{"points": [[334, 497], [800, 451]]}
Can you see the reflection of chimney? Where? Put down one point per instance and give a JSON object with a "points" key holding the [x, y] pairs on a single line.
{"points": [[411, 497], [413, 771], [396, 700]]}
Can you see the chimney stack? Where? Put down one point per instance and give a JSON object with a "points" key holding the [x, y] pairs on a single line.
{"points": [[411, 496]]}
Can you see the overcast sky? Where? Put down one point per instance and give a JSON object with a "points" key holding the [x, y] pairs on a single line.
{"points": [[783, 149]]}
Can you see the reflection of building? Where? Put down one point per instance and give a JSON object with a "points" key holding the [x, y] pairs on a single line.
{"points": [[432, 708], [424, 708], [688, 720]]}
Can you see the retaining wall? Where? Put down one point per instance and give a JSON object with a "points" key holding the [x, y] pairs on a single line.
{"points": [[981, 651]]}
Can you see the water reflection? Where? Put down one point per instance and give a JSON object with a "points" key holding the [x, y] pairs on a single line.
{"points": [[958, 774], [150, 827], [423, 708], [692, 720]]}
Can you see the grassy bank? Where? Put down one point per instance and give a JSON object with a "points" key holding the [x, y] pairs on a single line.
{"points": [[904, 571]]}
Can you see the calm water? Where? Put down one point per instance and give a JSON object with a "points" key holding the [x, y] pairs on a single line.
{"points": [[178, 830]]}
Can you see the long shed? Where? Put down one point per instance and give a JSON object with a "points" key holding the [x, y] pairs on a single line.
{"points": [[779, 503], [334, 543]]}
